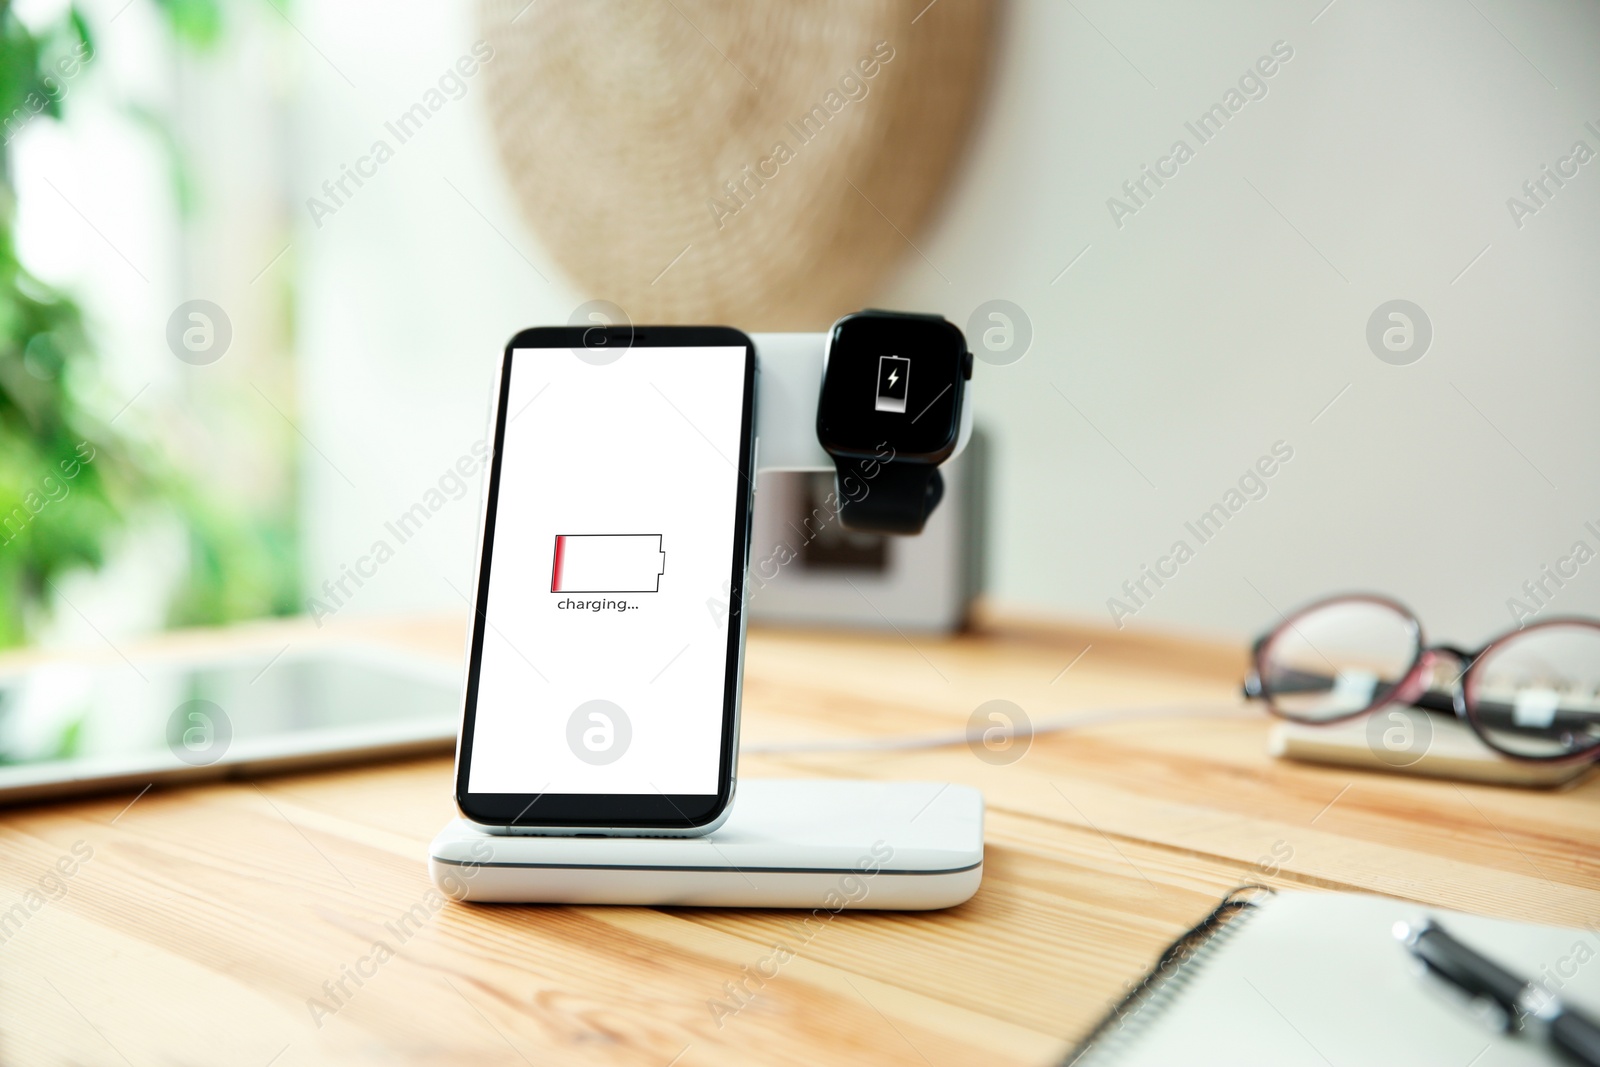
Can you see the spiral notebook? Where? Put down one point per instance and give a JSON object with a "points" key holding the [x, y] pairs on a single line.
{"points": [[1292, 978]]}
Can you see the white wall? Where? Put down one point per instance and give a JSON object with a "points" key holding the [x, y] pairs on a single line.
{"points": [[1221, 318]]}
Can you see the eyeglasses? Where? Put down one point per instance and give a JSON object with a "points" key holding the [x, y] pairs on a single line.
{"points": [[1531, 694]]}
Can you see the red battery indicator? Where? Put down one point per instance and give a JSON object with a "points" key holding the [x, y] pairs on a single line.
{"points": [[607, 563]]}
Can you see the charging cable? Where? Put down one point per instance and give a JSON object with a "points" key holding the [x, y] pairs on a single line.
{"points": [[973, 735]]}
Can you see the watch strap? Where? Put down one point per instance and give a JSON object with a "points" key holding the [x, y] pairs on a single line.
{"points": [[925, 315], [887, 496]]}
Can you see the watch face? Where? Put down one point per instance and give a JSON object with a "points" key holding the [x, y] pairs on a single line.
{"points": [[892, 382]]}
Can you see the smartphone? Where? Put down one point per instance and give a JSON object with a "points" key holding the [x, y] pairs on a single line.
{"points": [[607, 642]]}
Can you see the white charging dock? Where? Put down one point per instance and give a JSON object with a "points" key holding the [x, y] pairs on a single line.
{"points": [[790, 843]]}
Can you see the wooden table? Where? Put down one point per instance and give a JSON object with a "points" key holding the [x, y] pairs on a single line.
{"points": [[204, 923]]}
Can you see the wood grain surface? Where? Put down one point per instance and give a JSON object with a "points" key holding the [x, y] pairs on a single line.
{"points": [[216, 924]]}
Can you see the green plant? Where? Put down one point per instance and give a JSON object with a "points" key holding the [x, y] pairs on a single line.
{"points": [[49, 523], [69, 480]]}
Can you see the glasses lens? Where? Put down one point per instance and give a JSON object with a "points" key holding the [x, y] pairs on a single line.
{"points": [[1537, 693], [1337, 659]]}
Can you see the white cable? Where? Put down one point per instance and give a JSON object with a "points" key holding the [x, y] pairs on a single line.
{"points": [[1053, 724]]}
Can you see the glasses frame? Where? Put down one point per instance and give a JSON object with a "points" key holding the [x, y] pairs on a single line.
{"points": [[1412, 688]]}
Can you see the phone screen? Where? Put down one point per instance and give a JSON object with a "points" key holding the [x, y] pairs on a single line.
{"points": [[606, 655]]}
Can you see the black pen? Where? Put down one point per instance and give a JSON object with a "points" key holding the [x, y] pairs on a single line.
{"points": [[1519, 1000]]}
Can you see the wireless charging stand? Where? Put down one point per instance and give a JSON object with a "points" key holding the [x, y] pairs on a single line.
{"points": [[822, 844], [789, 843]]}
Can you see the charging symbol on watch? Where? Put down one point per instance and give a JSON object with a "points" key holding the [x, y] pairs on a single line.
{"points": [[894, 377]]}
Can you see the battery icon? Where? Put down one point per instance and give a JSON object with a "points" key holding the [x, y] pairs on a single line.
{"points": [[607, 563], [894, 374]]}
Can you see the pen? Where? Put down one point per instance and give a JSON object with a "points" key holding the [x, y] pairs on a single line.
{"points": [[1483, 979]]}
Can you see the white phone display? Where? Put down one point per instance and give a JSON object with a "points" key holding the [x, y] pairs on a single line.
{"points": [[605, 663]]}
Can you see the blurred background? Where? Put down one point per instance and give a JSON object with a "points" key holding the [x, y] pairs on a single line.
{"points": [[257, 260]]}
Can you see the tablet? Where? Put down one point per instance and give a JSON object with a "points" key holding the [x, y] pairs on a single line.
{"points": [[68, 728]]}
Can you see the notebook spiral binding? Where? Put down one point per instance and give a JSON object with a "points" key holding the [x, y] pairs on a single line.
{"points": [[1176, 968]]}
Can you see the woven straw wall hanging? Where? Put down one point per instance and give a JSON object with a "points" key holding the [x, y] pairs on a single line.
{"points": [[759, 164]]}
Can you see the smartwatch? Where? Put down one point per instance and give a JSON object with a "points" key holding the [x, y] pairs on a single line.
{"points": [[890, 413]]}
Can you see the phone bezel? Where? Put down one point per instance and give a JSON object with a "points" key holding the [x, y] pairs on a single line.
{"points": [[598, 812]]}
